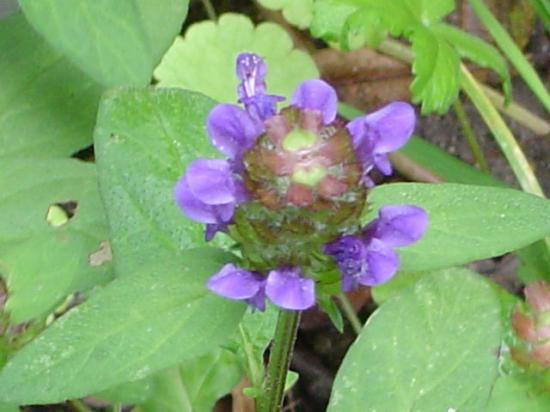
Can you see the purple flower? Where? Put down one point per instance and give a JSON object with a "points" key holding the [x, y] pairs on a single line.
{"points": [[379, 133], [251, 71], [208, 193], [239, 284], [316, 96], [285, 287], [368, 258]]}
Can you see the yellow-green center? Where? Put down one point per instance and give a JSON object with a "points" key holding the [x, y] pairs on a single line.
{"points": [[309, 176], [299, 139]]}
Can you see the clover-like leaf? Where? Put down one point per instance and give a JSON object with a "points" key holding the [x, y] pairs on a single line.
{"points": [[204, 60], [296, 12]]}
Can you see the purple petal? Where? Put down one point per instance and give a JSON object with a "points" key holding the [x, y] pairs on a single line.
{"points": [[382, 264], [287, 289], [258, 300], [251, 72], [213, 228], [383, 164], [193, 208], [235, 283], [231, 130], [317, 95], [211, 181], [393, 124], [398, 225]]}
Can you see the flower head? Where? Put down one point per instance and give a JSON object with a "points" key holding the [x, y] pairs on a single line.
{"points": [[292, 181]]}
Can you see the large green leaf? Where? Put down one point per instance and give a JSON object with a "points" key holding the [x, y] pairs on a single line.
{"points": [[44, 261], [115, 42], [135, 326], [144, 140], [433, 347], [466, 222], [517, 394], [204, 60], [47, 106], [436, 64]]}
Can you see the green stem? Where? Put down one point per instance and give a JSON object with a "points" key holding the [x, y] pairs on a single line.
{"points": [[503, 136], [279, 361], [501, 132], [473, 144], [350, 314], [511, 50], [255, 371], [210, 11], [79, 406], [117, 407], [517, 112]]}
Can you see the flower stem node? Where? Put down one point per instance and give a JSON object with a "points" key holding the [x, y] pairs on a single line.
{"points": [[294, 185]]}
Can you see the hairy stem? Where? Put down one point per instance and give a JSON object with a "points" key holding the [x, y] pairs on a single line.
{"points": [[350, 314], [473, 144], [279, 361]]}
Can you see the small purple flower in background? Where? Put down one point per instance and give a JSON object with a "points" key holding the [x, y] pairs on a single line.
{"points": [[294, 180], [368, 258]]}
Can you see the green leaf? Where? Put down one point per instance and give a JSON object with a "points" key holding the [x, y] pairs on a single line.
{"points": [[296, 12], [542, 8], [466, 222], [329, 18], [534, 263], [436, 70], [135, 326], [195, 385], [478, 51], [47, 106], [418, 351], [209, 377], [44, 263], [5, 407], [144, 140], [135, 392], [429, 11], [115, 42], [444, 165], [205, 59], [395, 286], [514, 394]]}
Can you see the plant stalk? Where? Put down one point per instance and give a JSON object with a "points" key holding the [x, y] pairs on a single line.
{"points": [[210, 11], [473, 144], [350, 314], [279, 361], [511, 51]]}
